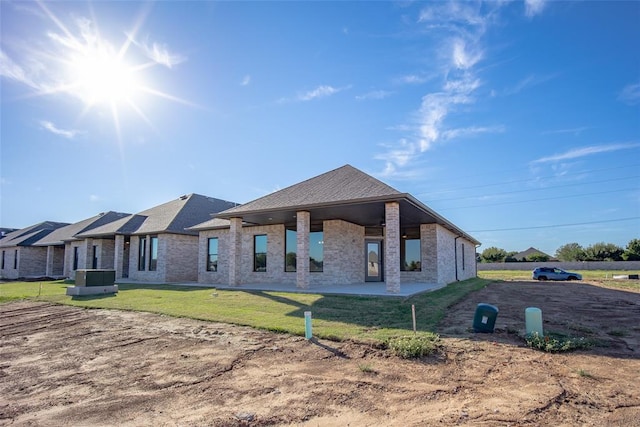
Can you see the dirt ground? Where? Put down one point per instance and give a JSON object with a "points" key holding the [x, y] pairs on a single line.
{"points": [[61, 365]]}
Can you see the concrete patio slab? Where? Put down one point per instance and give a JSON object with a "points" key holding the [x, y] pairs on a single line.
{"points": [[359, 289]]}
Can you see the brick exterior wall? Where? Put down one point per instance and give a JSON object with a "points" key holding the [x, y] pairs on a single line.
{"points": [[82, 246], [55, 261], [344, 258], [8, 272], [221, 276], [177, 259], [344, 261]]}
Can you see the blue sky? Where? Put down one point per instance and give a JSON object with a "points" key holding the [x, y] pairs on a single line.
{"points": [[517, 121]]}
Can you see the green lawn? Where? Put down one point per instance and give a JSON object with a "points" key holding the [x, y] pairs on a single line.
{"points": [[364, 319], [604, 277]]}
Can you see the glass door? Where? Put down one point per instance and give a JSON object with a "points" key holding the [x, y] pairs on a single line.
{"points": [[373, 259]]}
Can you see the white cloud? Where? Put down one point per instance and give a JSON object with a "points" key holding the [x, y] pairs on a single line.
{"points": [[586, 151], [412, 79], [159, 53], [13, 71], [245, 80], [470, 131], [630, 94], [47, 125], [463, 55], [533, 7], [94, 198], [319, 92]]}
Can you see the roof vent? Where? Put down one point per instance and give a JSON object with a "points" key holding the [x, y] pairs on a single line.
{"points": [[185, 197]]}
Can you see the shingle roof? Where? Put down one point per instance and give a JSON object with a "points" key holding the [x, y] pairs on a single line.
{"points": [[68, 232], [29, 235], [527, 253], [345, 184], [178, 215]]}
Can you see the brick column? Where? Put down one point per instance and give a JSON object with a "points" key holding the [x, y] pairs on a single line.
{"points": [[235, 251], [118, 256], [88, 255], [303, 227], [392, 247], [50, 261]]}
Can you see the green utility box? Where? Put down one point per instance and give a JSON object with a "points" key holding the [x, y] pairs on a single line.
{"points": [[485, 318], [95, 277]]}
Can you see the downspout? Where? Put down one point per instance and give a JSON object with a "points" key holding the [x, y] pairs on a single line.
{"points": [[455, 254], [475, 256]]}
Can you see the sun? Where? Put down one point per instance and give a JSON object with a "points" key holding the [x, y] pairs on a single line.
{"points": [[99, 75]]}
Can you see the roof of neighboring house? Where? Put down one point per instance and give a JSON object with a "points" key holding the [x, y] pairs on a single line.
{"points": [[528, 253], [68, 232], [4, 231], [29, 235], [345, 193], [178, 215]]}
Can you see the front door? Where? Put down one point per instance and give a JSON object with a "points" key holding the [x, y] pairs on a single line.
{"points": [[373, 258]]}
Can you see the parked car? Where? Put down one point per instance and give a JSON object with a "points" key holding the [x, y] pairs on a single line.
{"points": [[550, 273]]}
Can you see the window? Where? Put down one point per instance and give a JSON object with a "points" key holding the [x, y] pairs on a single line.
{"points": [[316, 249], [2, 260], [75, 257], [15, 259], [153, 253], [290, 249], [142, 252], [94, 264], [260, 252], [212, 254], [410, 250]]}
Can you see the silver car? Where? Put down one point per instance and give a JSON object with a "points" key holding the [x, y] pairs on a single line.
{"points": [[551, 273]]}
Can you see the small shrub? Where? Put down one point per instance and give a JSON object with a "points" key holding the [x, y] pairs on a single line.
{"points": [[552, 343], [366, 368], [414, 346]]}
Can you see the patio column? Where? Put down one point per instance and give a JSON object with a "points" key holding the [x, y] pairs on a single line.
{"points": [[392, 246], [303, 227], [88, 254], [235, 251], [118, 256], [50, 260]]}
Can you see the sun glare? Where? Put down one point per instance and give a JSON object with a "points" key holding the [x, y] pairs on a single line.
{"points": [[100, 76]]}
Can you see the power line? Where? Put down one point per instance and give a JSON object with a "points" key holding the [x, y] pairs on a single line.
{"points": [[557, 225], [540, 199], [449, 190], [542, 189]]}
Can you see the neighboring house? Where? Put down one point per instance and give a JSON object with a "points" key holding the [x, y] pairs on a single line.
{"points": [[19, 258], [524, 255], [67, 253], [341, 227], [155, 245], [4, 231]]}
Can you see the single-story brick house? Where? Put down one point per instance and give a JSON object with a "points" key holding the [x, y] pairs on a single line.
{"points": [[18, 255], [341, 227], [156, 245], [67, 253]]}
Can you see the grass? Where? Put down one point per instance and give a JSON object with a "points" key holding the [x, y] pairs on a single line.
{"points": [[337, 317], [604, 277], [557, 342]]}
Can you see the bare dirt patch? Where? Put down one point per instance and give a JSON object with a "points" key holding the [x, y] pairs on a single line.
{"points": [[61, 365]]}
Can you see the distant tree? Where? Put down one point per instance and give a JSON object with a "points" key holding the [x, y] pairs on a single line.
{"points": [[603, 252], [538, 258], [570, 252], [632, 253], [493, 254]]}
